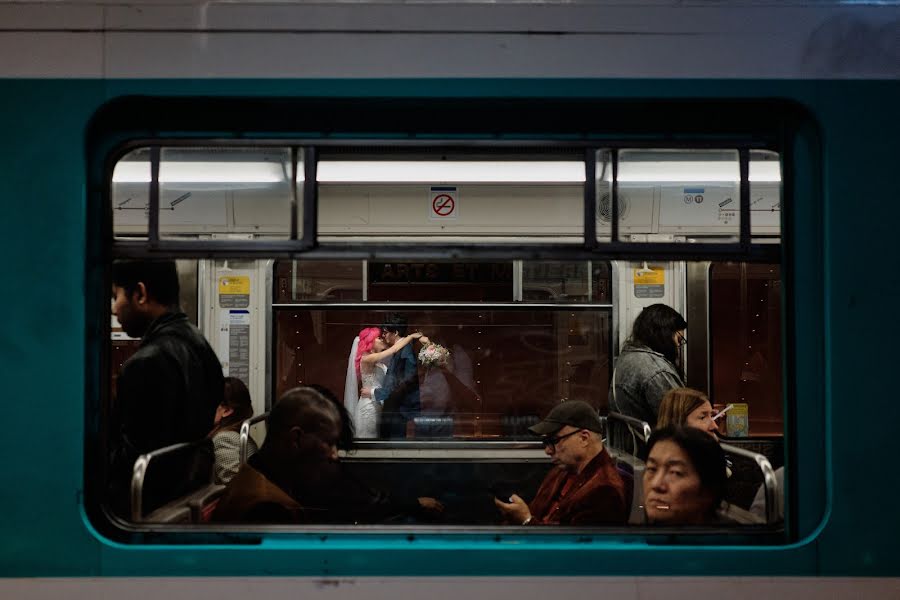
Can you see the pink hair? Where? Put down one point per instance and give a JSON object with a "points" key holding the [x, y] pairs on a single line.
{"points": [[367, 339]]}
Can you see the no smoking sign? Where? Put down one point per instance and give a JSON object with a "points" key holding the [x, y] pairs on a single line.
{"points": [[443, 203]]}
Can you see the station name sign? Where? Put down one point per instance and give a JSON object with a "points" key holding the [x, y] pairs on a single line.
{"points": [[431, 273]]}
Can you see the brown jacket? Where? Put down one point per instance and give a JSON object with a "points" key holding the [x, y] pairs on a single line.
{"points": [[596, 496], [251, 498]]}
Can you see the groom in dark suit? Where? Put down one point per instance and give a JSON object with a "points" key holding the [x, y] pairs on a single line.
{"points": [[399, 394]]}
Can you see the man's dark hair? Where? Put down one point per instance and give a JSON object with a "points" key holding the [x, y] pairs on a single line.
{"points": [[303, 407], [705, 453], [654, 328], [160, 277], [396, 322]]}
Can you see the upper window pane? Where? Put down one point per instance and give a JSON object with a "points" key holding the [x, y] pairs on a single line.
{"points": [[440, 197], [206, 192], [765, 194], [327, 281], [687, 195]]}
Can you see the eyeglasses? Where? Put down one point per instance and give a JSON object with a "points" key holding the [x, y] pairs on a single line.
{"points": [[681, 340], [552, 440]]}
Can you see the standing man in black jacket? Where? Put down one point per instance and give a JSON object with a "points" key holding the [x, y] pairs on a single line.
{"points": [[168, 391]]}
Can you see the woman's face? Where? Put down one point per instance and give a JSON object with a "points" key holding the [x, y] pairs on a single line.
{"points": [[701, 418], [680, 338], [673, 492], [379, 345]]}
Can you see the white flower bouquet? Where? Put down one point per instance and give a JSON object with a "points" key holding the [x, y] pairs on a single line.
{"points": [[434, 355]]}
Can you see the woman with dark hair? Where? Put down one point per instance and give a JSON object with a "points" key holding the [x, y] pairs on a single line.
{"points": [[684, 478], [348, 498], [234, 409], [648, 366]]}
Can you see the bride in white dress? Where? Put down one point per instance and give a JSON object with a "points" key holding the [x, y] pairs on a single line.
{"points": [[365, 372]]}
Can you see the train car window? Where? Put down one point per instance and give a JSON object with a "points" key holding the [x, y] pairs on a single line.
{"points": [[504, 363], [479, 267]]}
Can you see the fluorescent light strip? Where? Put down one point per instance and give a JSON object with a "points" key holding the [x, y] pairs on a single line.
{"points": [[450, 171], [673, 171], [200, 172], [434, 172]]}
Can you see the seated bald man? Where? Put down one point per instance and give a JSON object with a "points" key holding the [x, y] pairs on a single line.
{"points": [[299, 454], [585, 488]]}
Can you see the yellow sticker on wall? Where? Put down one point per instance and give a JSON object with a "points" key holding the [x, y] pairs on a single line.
{"points": [[649, 282], [234, 284], [234, 291]]}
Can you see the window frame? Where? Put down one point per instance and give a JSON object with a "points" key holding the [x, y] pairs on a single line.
{"points": [[791, 134]]}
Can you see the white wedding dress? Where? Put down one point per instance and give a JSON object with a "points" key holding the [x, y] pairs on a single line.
{"points": [[368, 410]]}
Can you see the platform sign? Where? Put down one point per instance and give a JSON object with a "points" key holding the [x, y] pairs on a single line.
{"points": [[443, 203]]}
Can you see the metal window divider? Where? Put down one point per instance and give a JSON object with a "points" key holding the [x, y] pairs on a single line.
{"points": [[590, 198], [310, 198], [153, 217], [744, 167]]}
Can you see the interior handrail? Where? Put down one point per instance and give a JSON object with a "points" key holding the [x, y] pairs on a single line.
{"points": [[770, 483], [139, 471], [641, 427], [245, 434]]}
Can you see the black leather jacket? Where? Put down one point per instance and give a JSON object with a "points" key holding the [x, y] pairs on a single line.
{"points": [[167, 393]]}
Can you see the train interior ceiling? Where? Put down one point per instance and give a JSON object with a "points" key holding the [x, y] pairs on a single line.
{"points": [[523, 333]]}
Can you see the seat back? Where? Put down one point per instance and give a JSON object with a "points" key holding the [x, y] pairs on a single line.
{"points": [[165, 477]]}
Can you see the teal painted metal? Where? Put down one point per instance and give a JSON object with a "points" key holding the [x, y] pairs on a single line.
{"points": [[841, 280]]}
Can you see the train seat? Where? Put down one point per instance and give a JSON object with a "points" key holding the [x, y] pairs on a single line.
{"points": [[165, 481]]}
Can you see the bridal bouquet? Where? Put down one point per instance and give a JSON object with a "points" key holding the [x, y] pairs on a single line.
{"points": [[434, 355]]}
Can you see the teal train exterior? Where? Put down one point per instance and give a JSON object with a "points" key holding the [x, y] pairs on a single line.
{"points": [[839, 267]]}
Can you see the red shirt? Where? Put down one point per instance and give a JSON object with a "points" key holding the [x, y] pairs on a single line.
{"points": [[596, 496]]}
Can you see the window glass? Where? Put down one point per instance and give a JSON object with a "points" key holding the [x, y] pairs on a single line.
{"points": [[765, 195], [505, 366], [496, 344], [435, 196], [207, 192], [308, 280], [745, 333], [565, 281]]}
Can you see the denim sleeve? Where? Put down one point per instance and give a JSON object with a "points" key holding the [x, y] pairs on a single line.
{"points": [[656, 387]]}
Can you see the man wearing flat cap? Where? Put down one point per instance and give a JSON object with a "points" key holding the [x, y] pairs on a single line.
{"points": [[585, 489]]}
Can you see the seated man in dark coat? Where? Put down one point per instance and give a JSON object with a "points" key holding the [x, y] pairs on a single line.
{"points": [[585, 489], [298, 455]]}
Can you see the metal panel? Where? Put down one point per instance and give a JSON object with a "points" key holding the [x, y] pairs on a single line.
{"points": [[697, 284]]}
